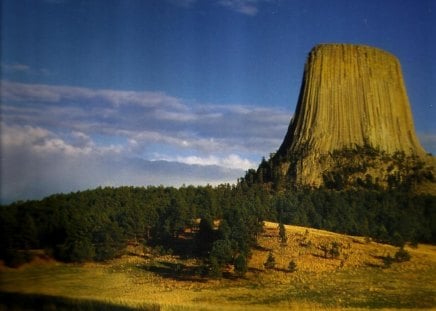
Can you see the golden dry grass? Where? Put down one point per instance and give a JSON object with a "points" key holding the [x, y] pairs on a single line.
{"points": [[355, 280]]}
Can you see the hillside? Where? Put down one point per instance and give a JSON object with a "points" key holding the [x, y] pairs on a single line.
{"points": [[357, 278]]}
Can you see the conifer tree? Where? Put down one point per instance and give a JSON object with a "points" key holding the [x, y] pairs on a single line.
{"points": [[270, 262], [292, 267], [241, 266], [282, 234]]}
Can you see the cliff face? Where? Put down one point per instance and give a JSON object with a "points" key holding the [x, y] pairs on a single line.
{"points": [[352, 97]]}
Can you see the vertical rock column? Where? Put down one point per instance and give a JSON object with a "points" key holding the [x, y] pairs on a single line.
{"points": [[351, 95]]}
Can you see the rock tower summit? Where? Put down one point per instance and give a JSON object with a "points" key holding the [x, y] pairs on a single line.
{"points": [[353, 105]]}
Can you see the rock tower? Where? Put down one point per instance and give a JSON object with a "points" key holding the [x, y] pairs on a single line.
{"points": [[353, 124]]}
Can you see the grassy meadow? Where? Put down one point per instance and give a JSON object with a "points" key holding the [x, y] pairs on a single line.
{"points": [[356, 278]]}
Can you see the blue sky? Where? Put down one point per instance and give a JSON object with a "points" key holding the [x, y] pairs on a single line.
{"points": [[169, 92]]}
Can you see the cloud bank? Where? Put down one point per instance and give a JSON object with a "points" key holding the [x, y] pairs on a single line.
{"points": [[63, 138]]}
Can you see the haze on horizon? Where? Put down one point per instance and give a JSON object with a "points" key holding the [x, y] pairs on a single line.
{"points": [[109, 93]]}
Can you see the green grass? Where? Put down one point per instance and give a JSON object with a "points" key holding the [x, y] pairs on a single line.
{"points": [[132, 286]]}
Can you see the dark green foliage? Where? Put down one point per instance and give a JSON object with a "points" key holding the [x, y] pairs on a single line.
{"points": [[241, 265], [76, 250], [222, 251], [224, 230], [97, 224], [402, 255], [390, 216], [215, 269], [334, 250], [349, 168], [205, 237], [388, 261], [282, 234], [292, 266], [325, 249], [397, 239], [221, 254], [270, 262], [108, 241]]}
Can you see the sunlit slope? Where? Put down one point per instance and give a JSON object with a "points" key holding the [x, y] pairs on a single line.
{"points": [[357, 278]]}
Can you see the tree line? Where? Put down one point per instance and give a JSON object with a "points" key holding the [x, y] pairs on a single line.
{"points": [[98, 224]]}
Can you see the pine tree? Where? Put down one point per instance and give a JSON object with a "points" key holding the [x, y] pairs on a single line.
{"points": [[292, 267], [205, 237], [334, 251], [270, 262], [215, 268], [402, 255], [282, 234], [241, 265]]}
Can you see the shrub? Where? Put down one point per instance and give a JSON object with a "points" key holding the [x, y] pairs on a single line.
{"points": [[397, 239], [402, 255], [387, 261], [215, 268], [76, 250], [282, 234], [292, 267], [414, 244], [334, 251], [270, 262], [305, 243], [241, 265], [222, 252]]}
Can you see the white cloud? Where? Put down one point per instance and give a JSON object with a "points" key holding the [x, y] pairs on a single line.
{"points": [[175, 116], [86, 136], [36, 162], [41, 142], [81, 139], [179, 140], [147, 117], [19, 92], [232, 161]]}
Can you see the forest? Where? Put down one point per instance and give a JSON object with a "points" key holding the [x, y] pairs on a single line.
{"points": [[219, 225]]}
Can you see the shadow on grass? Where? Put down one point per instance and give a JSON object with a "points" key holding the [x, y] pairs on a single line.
{"points": [[385, 262], [374, 265], [19, 301], [178, 271], [261, 248], [134, 254], [283, 270], [320, 256], [255, 270]]}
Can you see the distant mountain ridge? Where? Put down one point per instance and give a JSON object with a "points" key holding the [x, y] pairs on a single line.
{"points": [[352, 126]]}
